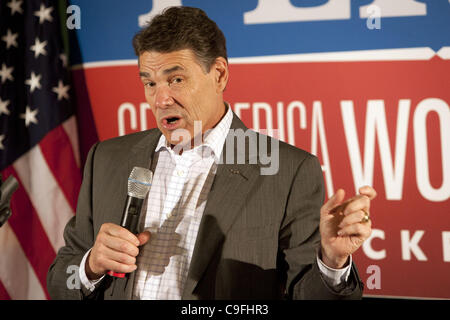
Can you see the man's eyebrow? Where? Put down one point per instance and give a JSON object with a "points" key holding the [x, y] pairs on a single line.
{"points": [[170, 70], [143, 74]]}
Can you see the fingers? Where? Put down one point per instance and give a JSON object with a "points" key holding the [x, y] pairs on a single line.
{"points": [[355, 217], [119, 232], [359, 229], [115, 249], [359, 202], [120, 267], [354, 212], [143, 237], [346, 219], [120, 245], [114, 260], [334, 201], [368, 191]]}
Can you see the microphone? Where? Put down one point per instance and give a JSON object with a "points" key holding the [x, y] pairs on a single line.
{"points": [[7, 188], [139, 183]]}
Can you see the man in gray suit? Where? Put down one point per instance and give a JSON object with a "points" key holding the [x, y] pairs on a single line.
{"points": [[213, 226]]}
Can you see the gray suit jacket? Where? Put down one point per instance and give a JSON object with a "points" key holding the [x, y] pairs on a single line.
{"points": [[258, 236]]}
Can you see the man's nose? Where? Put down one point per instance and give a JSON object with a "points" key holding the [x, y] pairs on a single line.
{"points": [[163, 97]]}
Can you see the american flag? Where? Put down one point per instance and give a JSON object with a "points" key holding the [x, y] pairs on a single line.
{"points": [[38, 143]]}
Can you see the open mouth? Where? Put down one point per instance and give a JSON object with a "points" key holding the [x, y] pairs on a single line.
{"points": [[170, 122]]}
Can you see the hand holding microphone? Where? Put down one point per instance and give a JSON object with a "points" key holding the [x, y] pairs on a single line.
{"points": [[116, 247]]}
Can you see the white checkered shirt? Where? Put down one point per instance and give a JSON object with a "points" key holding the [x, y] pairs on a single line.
{"points": [[175, 206]]}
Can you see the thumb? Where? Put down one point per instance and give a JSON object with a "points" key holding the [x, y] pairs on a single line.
{"points": [[143, 237], [334, 201], [368, 191]]}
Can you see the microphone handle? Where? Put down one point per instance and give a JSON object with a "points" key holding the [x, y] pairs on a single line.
{"points": [[131, 213], [130, 221]]}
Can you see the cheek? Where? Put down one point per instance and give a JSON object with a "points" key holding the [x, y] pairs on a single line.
{"points": [[201, 98], [155, 116], [148, 98]]}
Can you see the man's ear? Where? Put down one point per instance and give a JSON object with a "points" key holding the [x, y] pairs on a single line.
{"points": [[220, 69]]}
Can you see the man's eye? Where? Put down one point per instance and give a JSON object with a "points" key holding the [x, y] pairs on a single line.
{"points": [[176, 80], [149, 84]]}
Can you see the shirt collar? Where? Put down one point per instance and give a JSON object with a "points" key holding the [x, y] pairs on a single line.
{"points": [[214, 138]]}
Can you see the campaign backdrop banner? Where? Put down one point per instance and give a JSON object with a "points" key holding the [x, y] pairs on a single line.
{"points": [[362, 84]]}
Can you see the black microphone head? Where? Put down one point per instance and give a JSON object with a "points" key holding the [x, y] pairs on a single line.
{"points": [[139, 182], [7, 188]]}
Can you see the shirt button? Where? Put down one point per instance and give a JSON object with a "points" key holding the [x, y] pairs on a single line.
{"points": [[180, 173]]}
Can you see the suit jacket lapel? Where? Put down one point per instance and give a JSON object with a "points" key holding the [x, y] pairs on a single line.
{"points": [[141, 154], [231, 184]]}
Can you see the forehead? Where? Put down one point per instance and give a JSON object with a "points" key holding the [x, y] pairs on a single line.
{"points": [[153, 62]]}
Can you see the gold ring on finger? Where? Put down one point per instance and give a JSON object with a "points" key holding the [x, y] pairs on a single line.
{"points": [[366, 217]]}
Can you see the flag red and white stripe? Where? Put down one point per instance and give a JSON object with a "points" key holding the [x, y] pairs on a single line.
{"points": [[49, 177]]}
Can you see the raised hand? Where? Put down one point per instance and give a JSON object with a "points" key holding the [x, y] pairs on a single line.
{"points": [[345, 225]]}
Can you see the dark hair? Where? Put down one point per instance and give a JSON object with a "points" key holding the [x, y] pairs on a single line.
{"points": [[178, 28]]}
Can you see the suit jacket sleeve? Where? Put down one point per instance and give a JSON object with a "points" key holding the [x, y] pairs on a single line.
{"points": [[300, 239], [79, 238]]}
